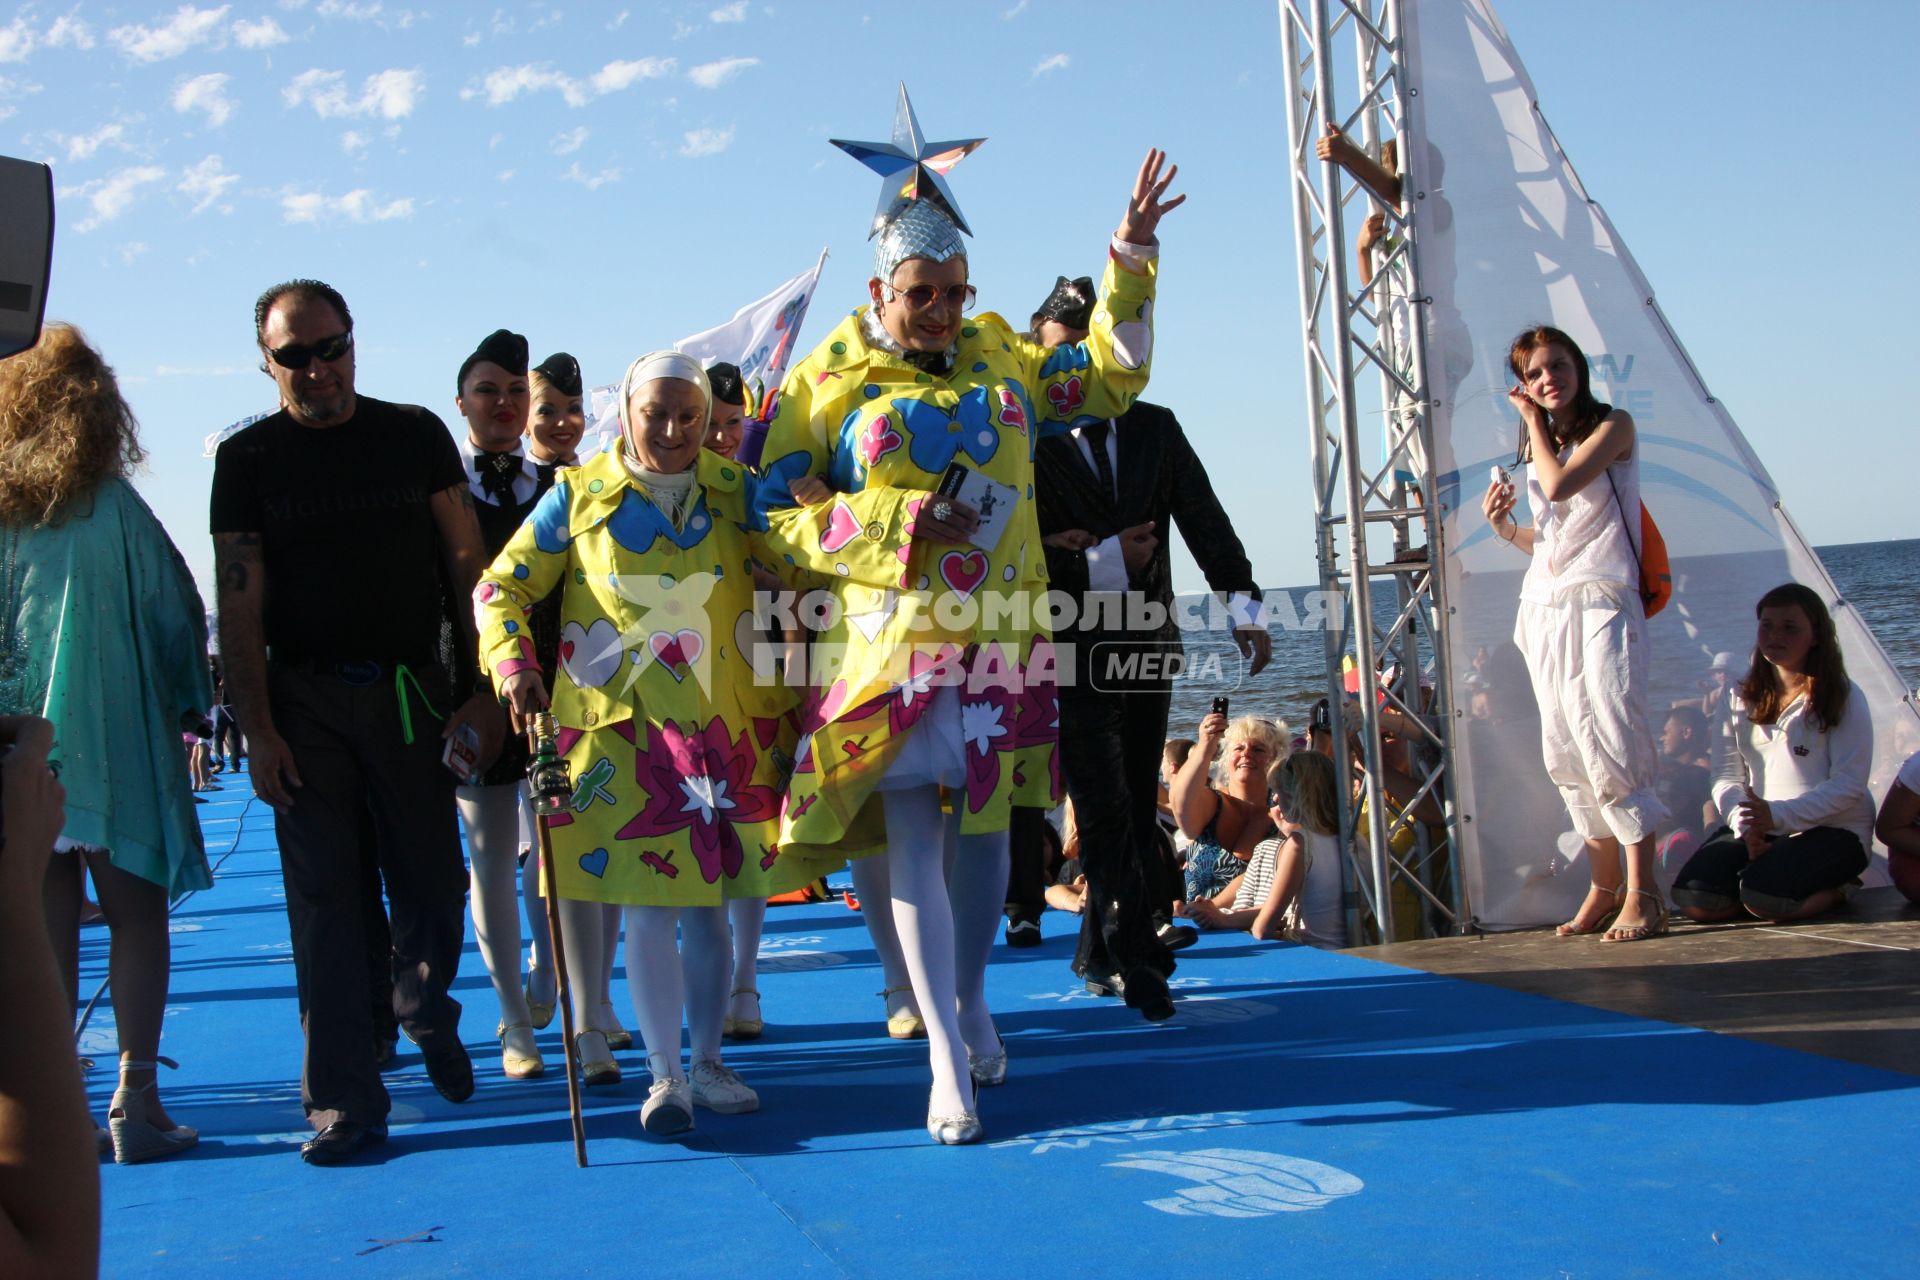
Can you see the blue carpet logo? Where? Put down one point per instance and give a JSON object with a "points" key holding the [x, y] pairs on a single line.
{"points": [[1228, 1183]]}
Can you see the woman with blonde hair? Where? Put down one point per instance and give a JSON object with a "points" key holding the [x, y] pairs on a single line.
{"points": [[1226, 822], [106, 637]]}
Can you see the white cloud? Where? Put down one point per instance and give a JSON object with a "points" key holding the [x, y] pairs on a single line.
{"points": [[616, 76], [591, 181], [358, 205], [13, 89], [1058, 62], [735, 12], [69, 32], [205, 183], [206, 93], [353, 142], [619, 20], [175, 371], [470, 40], [1014, 12], [263, 34], [505, 175], [565, 144], [705, 142], [188, 28], [711, 75], [131, 250], [17, 40], [504, 84], [389, 94], [376, 13], [112, 196], [82, 146]]}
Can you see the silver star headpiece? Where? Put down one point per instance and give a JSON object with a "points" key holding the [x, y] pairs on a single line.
{"points": [[911, 169]]}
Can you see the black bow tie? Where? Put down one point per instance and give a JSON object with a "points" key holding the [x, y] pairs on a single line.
{"points": [[497, 472]]}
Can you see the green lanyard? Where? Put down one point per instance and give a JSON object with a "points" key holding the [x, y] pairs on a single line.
{"points": [[401, 676]]}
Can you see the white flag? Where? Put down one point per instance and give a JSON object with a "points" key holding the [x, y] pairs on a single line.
{"points": [[212, 445], [759, 339]]}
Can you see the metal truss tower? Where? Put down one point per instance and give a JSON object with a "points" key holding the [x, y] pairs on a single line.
{"points": [[1379, 544]]}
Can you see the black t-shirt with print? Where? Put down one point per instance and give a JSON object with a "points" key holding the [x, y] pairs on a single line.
{"points": [[348, 541]]}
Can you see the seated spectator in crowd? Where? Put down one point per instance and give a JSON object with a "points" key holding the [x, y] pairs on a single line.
{"points": [[1899, 828], [1292, 887], [1067, 885], [1720, 676], [1790, 776], [1684, 784], [1225, 823]]}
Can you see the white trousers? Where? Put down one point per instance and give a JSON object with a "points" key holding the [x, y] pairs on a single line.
{"points": [[1588, 659]]}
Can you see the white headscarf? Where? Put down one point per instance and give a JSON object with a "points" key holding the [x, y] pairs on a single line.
{"points": [[667, 492]]}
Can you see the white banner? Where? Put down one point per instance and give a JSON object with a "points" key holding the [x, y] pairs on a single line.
{"points": [[1507, 238], [759, 339]]}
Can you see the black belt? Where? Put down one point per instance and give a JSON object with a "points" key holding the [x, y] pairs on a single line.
{"points": [[354, 671]]}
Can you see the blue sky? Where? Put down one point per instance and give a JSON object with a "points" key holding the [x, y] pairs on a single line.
{"points": [[607, 178]]}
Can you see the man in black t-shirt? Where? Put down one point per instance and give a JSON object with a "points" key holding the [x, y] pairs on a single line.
{"points": [[344, 541]]}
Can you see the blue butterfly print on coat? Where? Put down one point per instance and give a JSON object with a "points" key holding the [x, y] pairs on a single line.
{"points": [[636, 523], [933, 442]]}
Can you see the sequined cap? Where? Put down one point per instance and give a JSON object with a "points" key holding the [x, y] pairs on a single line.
{"points": [[918, 231]]}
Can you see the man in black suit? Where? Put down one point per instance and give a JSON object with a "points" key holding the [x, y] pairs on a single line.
{"points": [[1105, 492]]}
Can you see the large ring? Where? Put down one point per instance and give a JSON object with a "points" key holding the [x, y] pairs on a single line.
{"points": [[943, 511]]}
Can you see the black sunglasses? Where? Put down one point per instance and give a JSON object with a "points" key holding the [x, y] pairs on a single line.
{"points": [[298, 355]]}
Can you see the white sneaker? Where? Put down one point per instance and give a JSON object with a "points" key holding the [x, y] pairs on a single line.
{"points": [[717, 1087], [668, 1108]]}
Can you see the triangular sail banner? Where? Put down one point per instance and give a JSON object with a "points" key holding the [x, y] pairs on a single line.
{"points": [[1507, 238]]}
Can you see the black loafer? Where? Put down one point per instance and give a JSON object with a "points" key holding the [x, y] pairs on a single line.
{"points": [[1105, 984], [1146, 990], [1172, 937], [341, 1141], [1023, 933], [448, 1065]]}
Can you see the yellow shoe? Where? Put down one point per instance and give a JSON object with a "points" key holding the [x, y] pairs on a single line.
{"points": [[744, 1028], [903, 1022], [519, 1056]]}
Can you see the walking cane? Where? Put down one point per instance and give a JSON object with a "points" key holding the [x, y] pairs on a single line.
{"points": [[552, 790]]}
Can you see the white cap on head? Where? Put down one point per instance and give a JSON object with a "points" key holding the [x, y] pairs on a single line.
{"points": [[1723, 661]]}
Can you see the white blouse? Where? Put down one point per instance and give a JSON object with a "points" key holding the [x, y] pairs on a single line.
{"points": [[1809, 776]]}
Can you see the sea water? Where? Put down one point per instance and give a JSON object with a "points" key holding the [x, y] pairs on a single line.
{"points": [[1877, 577]]}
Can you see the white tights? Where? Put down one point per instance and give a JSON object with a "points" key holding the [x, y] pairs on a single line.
{"points": [[946, 932], [492, 818], [667, 981]]}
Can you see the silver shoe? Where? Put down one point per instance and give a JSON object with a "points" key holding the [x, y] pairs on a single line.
{"points": [[988, 1069], [954, 1131]]}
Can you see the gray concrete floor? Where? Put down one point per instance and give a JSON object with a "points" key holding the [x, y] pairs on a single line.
{"points": [[1846, 985]]}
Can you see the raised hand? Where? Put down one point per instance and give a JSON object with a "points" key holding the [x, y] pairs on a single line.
{"points": [[1147, 207]]}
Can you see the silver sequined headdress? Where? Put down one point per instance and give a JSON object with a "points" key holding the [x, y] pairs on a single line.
{"points": [[917, 216]]}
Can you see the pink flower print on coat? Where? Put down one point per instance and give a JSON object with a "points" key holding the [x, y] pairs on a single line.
{"points": [[700, 782], [1067, 397], [1038, 724], [1012, 413], [986, 733], [879, 440]]}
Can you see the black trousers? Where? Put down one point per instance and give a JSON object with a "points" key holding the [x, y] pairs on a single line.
{"points": [[1793, 869], [348, 744], [1026, 863], [1110, 749]]}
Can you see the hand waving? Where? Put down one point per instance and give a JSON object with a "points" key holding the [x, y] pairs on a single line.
{"points": [[1146, 207]]}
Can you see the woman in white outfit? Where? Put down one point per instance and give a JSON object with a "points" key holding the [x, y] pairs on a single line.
{"points": [[1582, 625]]}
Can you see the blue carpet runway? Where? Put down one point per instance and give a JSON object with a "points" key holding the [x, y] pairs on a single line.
{"points": [[1305, 1112]]}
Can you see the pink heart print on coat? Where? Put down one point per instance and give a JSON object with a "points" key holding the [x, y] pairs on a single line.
{"points": [[676, 649], [964, 571], [842, 527]]}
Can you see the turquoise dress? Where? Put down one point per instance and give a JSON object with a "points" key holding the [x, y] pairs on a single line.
{"points": [[105, 635]]}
